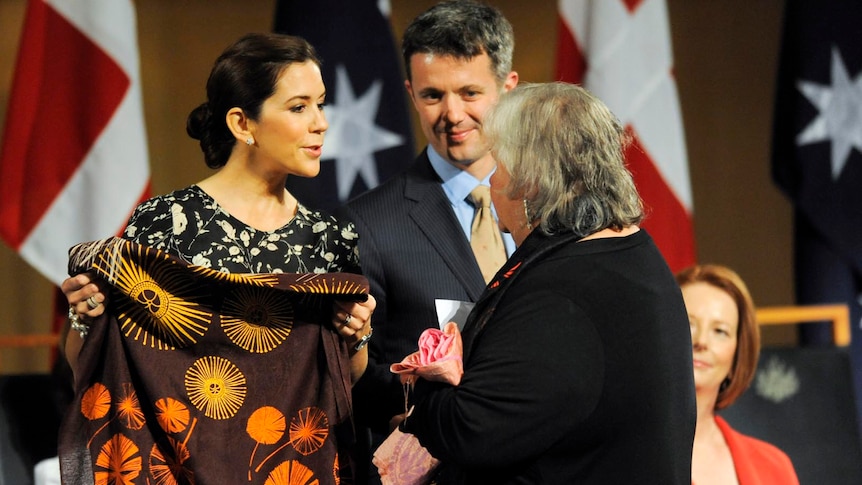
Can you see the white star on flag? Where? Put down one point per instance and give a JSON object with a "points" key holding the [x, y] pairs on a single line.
{"points": [[353, 136], [840, 118]]}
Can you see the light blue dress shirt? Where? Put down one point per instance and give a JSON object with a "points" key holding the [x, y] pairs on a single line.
{"points": [[457, 185]]}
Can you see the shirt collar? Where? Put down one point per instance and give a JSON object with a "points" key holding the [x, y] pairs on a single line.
{"points": [[457, 183]]}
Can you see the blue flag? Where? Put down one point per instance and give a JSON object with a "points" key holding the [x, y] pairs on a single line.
{"points": [[369, 137], [817, 155]]}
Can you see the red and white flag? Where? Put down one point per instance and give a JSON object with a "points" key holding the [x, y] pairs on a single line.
{"points": [[620, 50], [73, 163]]}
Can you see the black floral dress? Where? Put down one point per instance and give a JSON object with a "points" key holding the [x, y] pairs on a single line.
{"points": [[190, 224]]}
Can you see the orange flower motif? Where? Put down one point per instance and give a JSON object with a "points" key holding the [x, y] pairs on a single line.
{"points": [[291, 473], [172, 415], [118, 462], [171, 469], [164, 315], [96, 402], [215, 386], [130, 409], [257, 320], [256, 279], [308, 430], [266, 425], [325, 283]]}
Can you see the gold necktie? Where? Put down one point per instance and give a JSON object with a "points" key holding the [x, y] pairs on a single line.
{"points": [[485, 235]]}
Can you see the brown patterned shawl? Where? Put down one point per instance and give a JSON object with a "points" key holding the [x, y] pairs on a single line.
{"points": [[193, 376]]}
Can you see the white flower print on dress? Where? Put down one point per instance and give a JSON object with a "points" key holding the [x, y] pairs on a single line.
{"points": [[229, 231], [179, 218], [201, 260]]}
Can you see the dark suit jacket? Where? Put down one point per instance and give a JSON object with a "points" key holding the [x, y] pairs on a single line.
{"points": [[413, 251]]}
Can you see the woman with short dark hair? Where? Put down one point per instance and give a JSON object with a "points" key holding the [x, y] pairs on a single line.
{"points": [[249, 387]]}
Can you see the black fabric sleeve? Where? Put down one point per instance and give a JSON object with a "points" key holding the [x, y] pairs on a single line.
{"points": [[536, 368]]}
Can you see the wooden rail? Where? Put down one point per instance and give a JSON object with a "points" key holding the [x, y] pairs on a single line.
{"points": [[837, 315], [29, 340]]}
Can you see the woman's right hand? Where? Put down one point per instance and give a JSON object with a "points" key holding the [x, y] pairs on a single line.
{"points": [[86, 301], [85, 295]]}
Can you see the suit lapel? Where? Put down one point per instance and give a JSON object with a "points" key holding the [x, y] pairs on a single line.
{"points": [[432, 213]]}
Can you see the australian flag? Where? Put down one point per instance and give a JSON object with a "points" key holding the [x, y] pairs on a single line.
{"points": [[817, 155], [369, 137]]}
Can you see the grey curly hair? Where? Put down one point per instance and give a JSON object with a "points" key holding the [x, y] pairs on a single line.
{"points": [[564, 150]]}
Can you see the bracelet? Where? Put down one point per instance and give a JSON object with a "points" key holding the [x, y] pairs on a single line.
{"points": [[364, 340], [77, 324]]}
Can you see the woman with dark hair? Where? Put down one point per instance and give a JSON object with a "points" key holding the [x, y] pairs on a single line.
{"points": [[262, 122], [577, 365], [726, 344]]}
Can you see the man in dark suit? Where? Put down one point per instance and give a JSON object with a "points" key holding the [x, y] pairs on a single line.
{"points": [[415, 229]]}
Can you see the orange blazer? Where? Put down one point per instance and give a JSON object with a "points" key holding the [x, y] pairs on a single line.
{"points": [[757, 462]]}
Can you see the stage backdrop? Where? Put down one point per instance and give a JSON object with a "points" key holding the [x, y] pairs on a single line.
{"points": [[725, 61]]}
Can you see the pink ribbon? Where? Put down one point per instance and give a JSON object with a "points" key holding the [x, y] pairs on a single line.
{"points": [[439, 358]]}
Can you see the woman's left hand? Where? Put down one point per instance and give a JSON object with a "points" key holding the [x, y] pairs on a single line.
{"points": [[352, 319]]}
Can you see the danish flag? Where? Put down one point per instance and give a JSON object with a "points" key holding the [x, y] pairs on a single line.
{"points": [[73, 162], [620, 50]]}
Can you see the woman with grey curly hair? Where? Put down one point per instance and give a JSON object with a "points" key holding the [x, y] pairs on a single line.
{"points": [[563, 151], [577, 358]]}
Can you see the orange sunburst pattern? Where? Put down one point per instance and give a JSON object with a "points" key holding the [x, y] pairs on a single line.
{"points": [[96, 402], [266, 425], [170, 469], [161, 309], [118, 463], [335, 469], [129, 408], [291, 472], [326, 283], [172, 415], [308, 430], [216, 387], [254, 279], [256, 319]]}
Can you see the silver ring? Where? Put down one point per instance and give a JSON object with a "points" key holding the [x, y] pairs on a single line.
{"points": [[92, 303], [347, 319]]}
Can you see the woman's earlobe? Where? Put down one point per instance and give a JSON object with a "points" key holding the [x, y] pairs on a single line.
{"points": [[237, 123]]}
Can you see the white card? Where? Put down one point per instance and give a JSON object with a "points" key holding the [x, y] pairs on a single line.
{"points": [[453, 311]]}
